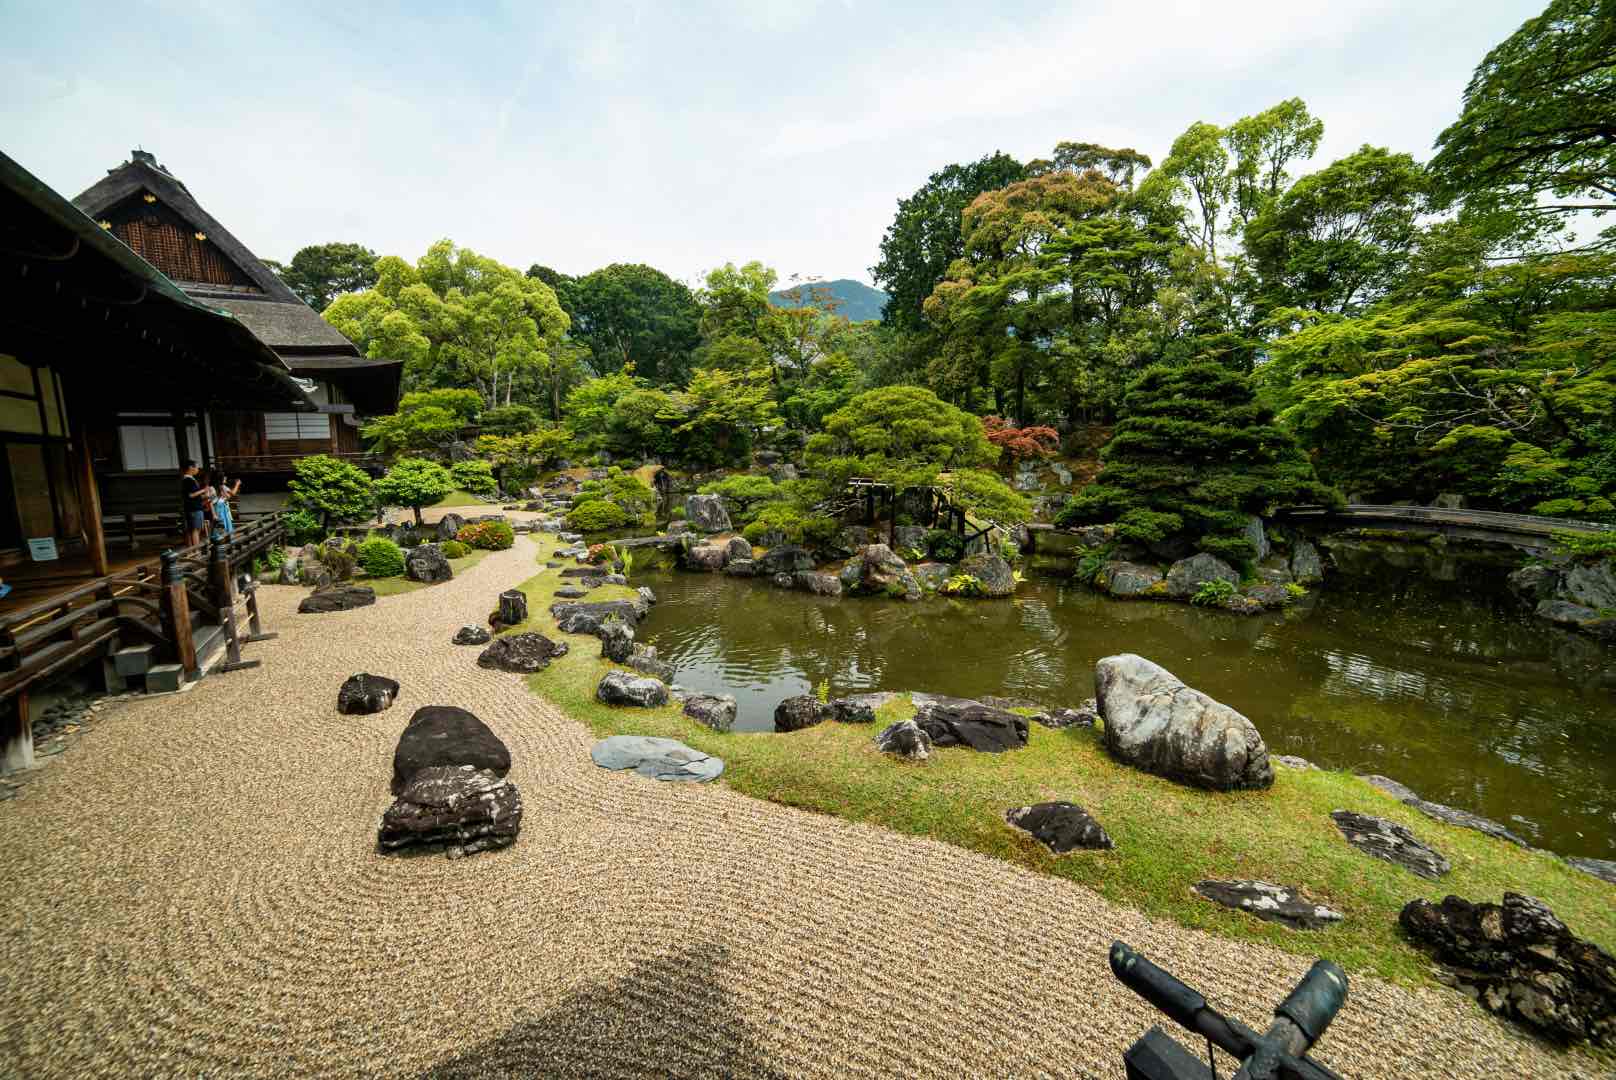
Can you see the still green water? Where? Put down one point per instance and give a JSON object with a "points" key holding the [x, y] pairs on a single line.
{"points": [[1454, 693]]}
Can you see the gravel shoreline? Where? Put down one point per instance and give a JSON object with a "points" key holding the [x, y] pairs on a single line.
{"points": [[195, 891]]}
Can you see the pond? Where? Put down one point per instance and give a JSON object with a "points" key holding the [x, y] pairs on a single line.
{"points": [[1450, 691]]}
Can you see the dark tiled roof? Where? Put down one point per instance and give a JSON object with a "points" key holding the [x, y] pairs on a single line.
{"points": [[281, 325]]}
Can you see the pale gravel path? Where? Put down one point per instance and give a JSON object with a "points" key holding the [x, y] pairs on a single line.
{"points": [[194, 890]]}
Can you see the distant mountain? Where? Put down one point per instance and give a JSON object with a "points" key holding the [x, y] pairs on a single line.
{"points": [[854, 299]]}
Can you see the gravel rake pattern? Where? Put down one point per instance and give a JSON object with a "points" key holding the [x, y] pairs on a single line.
{"points": [[195, 890]]}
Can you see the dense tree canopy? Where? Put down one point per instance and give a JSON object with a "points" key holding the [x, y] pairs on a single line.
{"points": [[636, 318], [320, 273]]}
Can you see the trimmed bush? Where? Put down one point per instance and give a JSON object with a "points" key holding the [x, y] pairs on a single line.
{"points": [[454, 549], [945, 545], [476, 477], [488, 535], [304, 527], [596, 516], [380, 557]]}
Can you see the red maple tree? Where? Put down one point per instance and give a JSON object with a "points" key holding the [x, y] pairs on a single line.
{"points": [[1022, 442]]}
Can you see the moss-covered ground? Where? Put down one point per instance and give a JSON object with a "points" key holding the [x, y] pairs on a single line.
{"points": [[1167, 836]]}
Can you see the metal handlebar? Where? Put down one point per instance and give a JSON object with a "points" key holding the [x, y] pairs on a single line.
{"points": [[1278, 1054]]}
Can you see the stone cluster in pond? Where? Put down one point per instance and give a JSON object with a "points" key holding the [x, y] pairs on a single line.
{"points": [[658, 759], [1520, 961], [1283, 904], [449, 785], [1578, 594], [366, 693], [1156, 723], [522, 654], [1060, 826], [1391, 842]]}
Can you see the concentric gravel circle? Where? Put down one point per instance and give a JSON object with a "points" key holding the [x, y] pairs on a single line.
{"points": [[195, 891]]}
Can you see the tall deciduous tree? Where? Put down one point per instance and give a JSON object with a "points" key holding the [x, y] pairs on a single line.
{"points": [[456, 318], [320, 273], [1538, 127], [634, 315], [926, 235]]}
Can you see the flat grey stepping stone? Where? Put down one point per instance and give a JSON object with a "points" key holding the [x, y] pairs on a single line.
{"points": [[1603, 869], [1391, 842], [1290, 761], [1450, 814], [1274, 903], [659, 759]]}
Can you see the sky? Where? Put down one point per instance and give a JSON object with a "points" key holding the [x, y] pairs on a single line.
{"points": [[683, 135]]}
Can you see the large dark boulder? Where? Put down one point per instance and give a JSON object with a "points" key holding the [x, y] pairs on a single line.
{"points": [[472, 634], [904, 739], [737, 548], [710, 558], [621, 688], [716, 711], [338, 597], [817, 583], [449, 526], [1186, 576], [851, 711], [1283, 904], [706, 513], [465, 809], [801, 711], [1060, 826], [585, 616], [1520, 961], [992, 573], [366, 693], [880, 572], [1391, 842], [785, 559], [512, 608], [1120, 578], [521, 653], [427, 563], [961, 722], [1306, 565], [644, 659], [616, 640], [446, 735], [1156, 723]]}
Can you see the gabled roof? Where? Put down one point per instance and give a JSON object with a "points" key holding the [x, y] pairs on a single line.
{"points": [[275, 315]]}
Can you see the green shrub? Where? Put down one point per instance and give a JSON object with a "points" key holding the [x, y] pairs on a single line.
{"points": [[414, 482], [596, 515], [488, 535], [963, 585], [508, 420], [1295, 591], [303, 527], [1586, 545], [819, 530], [476, 477], [331, 490], [1214, 593], [380, 557], [454, 549], [339, 561], [945, 546], [677, 513], [275, 557]]}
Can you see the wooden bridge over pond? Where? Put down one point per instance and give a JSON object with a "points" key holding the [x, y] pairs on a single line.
{"points": [[1524, 531]]}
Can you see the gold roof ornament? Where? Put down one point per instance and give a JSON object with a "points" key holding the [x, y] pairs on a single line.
{"points": [[149, 197], [104, 223], [200, 235]]}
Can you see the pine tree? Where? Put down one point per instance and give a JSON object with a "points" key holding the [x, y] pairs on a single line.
{"points": [[1194, 456]]}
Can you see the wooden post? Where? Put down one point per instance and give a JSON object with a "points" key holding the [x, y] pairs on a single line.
{"points": [[223, 578], [16, 734], [95, 536], [177, 612], [869, 506]]}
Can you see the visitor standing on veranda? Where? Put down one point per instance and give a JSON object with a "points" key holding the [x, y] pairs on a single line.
{"points": [[193, 503]]}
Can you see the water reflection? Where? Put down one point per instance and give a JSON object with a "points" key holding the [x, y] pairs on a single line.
{"points": [[1453, 693]]}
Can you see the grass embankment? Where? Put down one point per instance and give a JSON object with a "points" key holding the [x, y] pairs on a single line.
{"points": [[392, 586], [1167, 836], [458, 497]]}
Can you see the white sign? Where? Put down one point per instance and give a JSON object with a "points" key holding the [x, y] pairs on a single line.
{"points": [[42, 549]]}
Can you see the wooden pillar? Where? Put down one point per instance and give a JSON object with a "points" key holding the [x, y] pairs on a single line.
{"points": [[182, 445], [16, 734], [869, 506], [177, 612], [95, 536]]}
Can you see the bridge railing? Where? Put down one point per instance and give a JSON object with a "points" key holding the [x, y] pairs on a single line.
{"points": [[1435, 515]]}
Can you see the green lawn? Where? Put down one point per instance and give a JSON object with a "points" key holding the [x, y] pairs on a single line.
{"points": [[1167, 836], [392, 586], [457, 497]]}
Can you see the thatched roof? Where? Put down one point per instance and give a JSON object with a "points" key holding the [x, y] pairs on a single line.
{"points": [[270, 310]]}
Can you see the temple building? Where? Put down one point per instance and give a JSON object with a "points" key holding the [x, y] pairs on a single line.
{"points": [[148, 208]]}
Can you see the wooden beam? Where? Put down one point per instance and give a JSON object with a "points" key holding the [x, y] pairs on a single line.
{"points": [[177, 613], [95, 533]]}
